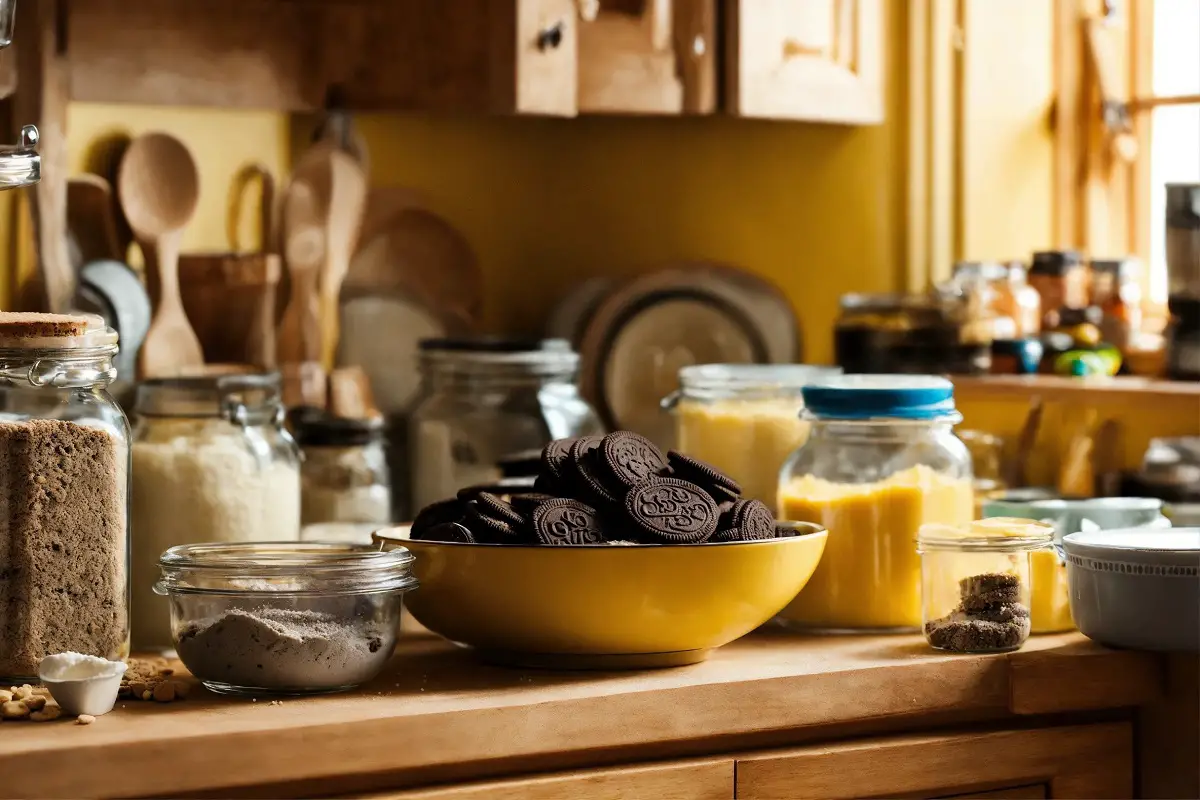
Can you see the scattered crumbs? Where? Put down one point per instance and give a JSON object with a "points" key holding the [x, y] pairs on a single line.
{"points": [[253, 699], [84, 719]]}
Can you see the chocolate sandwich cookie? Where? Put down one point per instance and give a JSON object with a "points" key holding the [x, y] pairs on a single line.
{"points": [[451, 532], [554, 462], [630, 459], [494, 507], [435, 514], [524, 504], [705, 475], [754, 519], [586, 477], [726, 535], [567, 522], [981, 592], [672, 511], [489, 530]]}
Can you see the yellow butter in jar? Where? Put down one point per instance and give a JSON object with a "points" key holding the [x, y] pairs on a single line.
{"points": [[744, 419], [881, 460]]}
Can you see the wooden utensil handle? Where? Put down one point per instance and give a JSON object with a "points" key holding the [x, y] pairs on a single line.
{"points": [[166, 271]]}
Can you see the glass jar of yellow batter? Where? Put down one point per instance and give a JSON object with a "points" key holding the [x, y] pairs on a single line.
{"points": [[881, 460], [744, 419]]}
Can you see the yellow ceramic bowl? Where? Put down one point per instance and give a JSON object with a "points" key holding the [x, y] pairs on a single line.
{"points": [[604, 606]]}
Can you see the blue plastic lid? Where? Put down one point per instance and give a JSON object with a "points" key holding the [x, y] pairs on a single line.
{"points": [[880, 396]]}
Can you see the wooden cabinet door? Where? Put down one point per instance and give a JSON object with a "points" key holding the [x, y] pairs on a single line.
{"points": [[1089, 761], [704, 779], [819, 60], [647, 56]]}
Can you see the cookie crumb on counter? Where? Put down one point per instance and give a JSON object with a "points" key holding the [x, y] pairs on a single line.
{"points": [[84, 719]]}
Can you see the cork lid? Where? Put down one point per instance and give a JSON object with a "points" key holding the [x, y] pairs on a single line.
{"points": [[21, 329]]}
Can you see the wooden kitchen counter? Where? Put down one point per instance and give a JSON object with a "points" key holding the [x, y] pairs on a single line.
{"points": [[438, 717]]}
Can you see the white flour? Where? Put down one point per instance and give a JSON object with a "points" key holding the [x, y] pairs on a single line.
{"points": [[197, 481], [285, 649]]}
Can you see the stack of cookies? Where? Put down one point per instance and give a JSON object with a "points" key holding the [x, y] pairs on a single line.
{"points": [[990, 617], [617, 489]]}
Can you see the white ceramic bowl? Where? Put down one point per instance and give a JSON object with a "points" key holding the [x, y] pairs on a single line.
{"points": [[1137, 588]]}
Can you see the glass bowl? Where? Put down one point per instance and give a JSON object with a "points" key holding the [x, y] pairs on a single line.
{"points": [[273, 618]]}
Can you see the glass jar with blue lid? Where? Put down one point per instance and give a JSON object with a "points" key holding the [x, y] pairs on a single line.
{"points": [[881, 460]]}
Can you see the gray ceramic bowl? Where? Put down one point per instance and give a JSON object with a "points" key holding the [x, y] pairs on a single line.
{"points": [[1137, 588]]}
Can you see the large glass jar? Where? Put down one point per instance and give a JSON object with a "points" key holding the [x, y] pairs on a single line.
{"points": [[484, 400], [345, 487], [880, 461], [64, 455], [744, 419], [211, 463]]}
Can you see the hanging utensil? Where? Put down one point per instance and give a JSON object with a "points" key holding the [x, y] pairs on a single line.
{"points": [[159, 188]]}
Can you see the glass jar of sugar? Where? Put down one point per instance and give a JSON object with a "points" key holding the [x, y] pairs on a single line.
{"points": [[211, 463], [64, 522]]}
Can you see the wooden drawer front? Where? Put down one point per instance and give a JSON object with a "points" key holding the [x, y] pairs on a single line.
{"points": [[1091, 761], [683, 780]]}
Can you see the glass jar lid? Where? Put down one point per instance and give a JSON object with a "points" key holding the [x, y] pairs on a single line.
{"points": [[548, 357], [284, 568], [995, 534], [1055, 262], [20, 165], [314, 427], [21, 330], [719, 381], [208, 396], [861, 397]]}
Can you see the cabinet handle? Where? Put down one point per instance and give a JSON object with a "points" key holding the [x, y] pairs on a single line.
{"points": [[550, 38]]}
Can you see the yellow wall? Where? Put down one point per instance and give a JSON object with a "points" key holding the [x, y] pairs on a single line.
{"points": [[817, 209], [222, 142]]}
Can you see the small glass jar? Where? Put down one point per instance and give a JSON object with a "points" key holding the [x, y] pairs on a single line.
{"points": [[990, 308], [976, 593], [1027, 303], [880, 461], [744, 419], [64, 454], [211, 463], [484, 400], [277, 619], [1117, 292], [344, 478], [1061, 280]]}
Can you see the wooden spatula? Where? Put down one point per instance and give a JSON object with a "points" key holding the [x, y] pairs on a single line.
{"points": [[304, 250]]}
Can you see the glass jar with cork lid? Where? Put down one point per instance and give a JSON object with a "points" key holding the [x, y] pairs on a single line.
{"points": [[64, 452], [211, 463]]}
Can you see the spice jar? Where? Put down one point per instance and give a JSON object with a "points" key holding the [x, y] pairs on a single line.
{"points": [[989, 305], [1027, 303], [484, 400], [1117, 292], [211, 463], [344, 478], [880, 461], [975, 583], [64, 454], [1061, 279], [744, 419]]}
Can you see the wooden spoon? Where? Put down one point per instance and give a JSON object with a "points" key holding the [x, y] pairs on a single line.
{"points": [[304, 250], [159, 188], [341, 189]]}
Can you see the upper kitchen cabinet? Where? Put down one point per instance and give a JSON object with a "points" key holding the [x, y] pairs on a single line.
{"points": [[817, 60], [501, 56], [647, 56]]}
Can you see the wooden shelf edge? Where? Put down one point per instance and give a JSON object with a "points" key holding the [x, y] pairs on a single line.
{"points": [[1052, 387]]}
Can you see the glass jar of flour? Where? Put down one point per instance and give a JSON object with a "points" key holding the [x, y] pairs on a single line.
{"points": [[211, 463], [64, 523], [483, 401]]}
